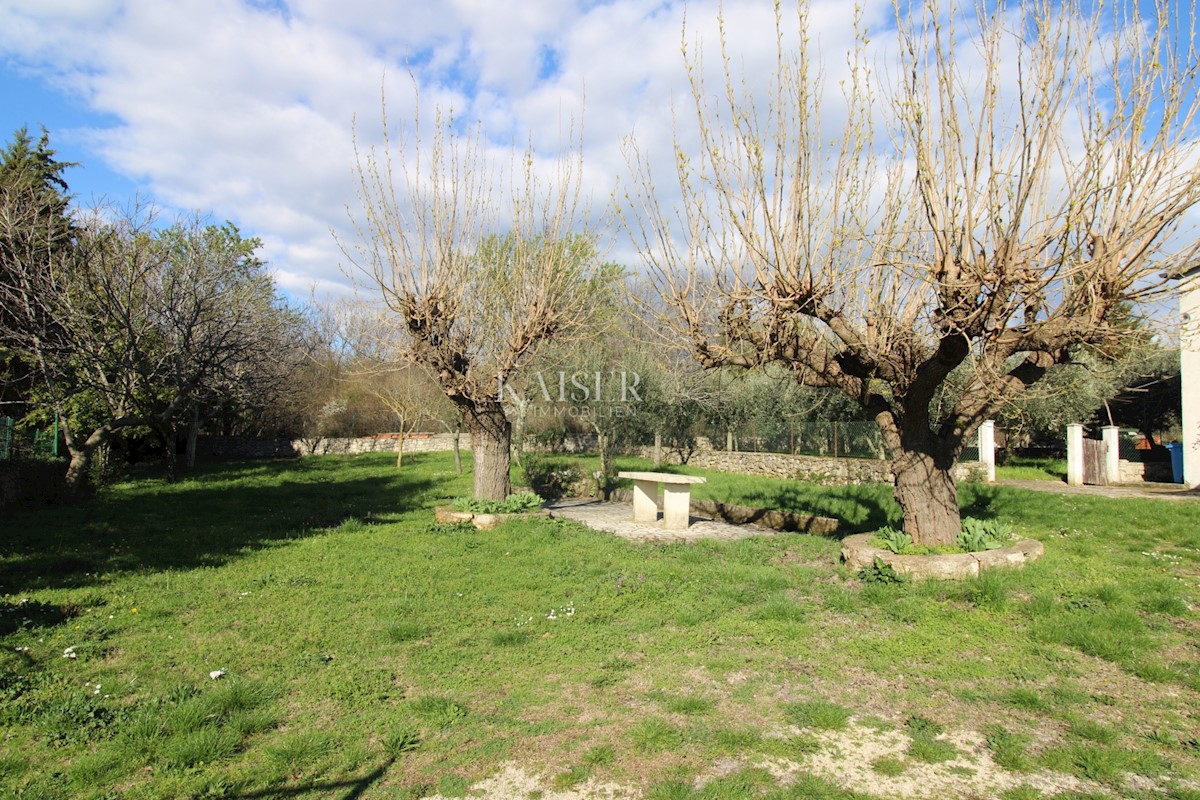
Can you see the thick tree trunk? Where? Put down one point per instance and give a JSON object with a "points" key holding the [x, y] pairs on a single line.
{"points": [[928, 497], [491, 447]]}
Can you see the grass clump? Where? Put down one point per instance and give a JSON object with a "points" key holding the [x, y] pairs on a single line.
{"points": [[1009, 749], [818, 714], [655, 736], [924, 744], [888, 766]]}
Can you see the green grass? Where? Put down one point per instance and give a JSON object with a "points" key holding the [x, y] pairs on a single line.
{"points": [[361, 650]]}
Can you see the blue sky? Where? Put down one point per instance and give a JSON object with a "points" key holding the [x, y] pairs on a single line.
{"points": [[243, 109]]}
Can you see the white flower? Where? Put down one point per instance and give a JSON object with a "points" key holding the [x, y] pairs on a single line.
{"points": [[217, 673], [70, 652]]}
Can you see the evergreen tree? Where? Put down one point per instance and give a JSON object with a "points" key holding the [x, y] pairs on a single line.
{"points": [[35, 227]]}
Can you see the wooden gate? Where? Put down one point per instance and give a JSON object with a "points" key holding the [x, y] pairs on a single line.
{"points": [[1095, 453]]}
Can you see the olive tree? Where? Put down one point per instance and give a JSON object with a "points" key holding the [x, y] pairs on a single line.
{"points": [[994, 184], [484, 260]]}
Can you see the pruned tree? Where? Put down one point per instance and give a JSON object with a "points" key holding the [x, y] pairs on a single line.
{"points": [[1000, 182], [483, 263]]}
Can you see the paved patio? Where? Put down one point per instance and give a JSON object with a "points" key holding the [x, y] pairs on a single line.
{"points": [[617, 518]]}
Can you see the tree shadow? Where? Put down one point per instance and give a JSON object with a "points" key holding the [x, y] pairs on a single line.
{"points": [[355, 787], [205, 520], [978, 500], [856, 508]]}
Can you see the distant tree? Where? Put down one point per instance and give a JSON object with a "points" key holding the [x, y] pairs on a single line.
{"points": [[1002, 185], [483, 269], [134, 326], [34, 199]]}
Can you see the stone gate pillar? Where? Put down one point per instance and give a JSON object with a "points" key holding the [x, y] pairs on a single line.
{"points": [[1112, 456], [987, 448], [1075, 455]]}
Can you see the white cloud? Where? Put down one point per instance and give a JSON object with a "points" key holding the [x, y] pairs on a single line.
{"points": [[245, 109]]}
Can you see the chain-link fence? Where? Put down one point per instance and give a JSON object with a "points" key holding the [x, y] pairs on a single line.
{"points": [[833, 439], [18, 443]]}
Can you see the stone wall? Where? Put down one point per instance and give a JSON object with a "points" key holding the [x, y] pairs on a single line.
{"points": [[239, 447], [1140, 471], [809, 469]]}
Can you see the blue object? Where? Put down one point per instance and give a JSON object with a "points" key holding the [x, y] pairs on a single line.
{"points": [[1176, 451]]}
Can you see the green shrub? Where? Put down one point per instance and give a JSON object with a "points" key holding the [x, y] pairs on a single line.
{"points": [[549, 478]]}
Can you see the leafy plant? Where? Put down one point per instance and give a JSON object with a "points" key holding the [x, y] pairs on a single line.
{"points": [[401, 740], [978, 535], [517, 503], [891, 539], [880, 572]]}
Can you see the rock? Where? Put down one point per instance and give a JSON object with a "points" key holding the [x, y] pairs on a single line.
{"points": [[858, 553]]}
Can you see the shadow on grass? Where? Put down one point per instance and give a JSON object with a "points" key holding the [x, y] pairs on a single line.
{"points": [[355, 787], [204, 520], [856, 508]]}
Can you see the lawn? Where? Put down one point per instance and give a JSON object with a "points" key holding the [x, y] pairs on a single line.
{"points": [[304, 630]]}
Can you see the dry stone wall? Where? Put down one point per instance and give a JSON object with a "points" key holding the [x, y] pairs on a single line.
{"points": [[809, 469]]}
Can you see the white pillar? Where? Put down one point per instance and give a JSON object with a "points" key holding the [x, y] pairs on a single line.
{"points": [[1075, 455], [1112, 456], [1189, 357], [987, 448]]}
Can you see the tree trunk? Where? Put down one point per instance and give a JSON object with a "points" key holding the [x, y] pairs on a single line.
{"points": [[458, 468], [81, 455], [400, 451], [606, 470], [491, 448], [928, 497], [192, 434]]}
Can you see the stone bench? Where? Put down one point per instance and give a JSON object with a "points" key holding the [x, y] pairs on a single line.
{"points": [[677, 497]]}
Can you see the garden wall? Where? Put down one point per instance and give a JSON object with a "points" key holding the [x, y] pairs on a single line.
{"points": [[241, 447], [814, 469], [1134, 471], [810, 469]]}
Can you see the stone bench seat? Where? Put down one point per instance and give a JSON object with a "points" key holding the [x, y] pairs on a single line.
{"points": [[677, 497]]}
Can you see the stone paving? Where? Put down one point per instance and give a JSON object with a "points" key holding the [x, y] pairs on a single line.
{"points": [[617, 518]]}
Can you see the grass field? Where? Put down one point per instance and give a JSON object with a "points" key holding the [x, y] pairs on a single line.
{"points": [[304, 630]]}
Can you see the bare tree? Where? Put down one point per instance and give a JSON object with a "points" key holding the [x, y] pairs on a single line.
{"points": [[483, 265], [1009, 180], [134, 326]]}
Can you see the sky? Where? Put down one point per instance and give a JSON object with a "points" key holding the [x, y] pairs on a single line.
{"points": [[246, 110]]}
